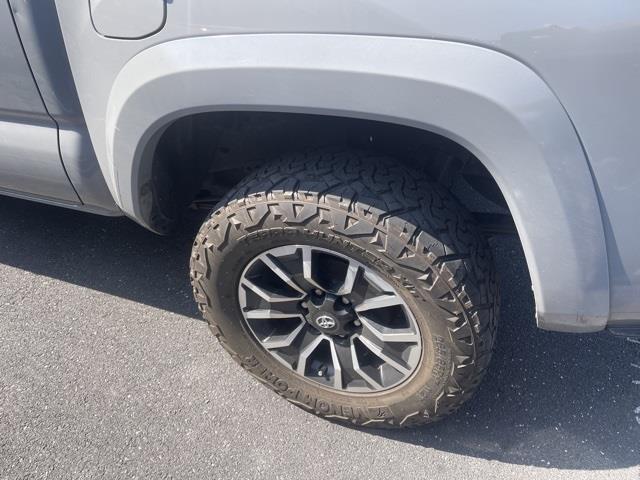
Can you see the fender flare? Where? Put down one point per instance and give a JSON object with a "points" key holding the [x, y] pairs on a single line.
{"points": [[490, 103]]}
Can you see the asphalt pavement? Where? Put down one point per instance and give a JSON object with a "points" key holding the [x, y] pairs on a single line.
{"points": [[107, 371]]}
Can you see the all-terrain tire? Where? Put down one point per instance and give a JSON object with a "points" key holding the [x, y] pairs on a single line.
{"points": [[393, 220]]}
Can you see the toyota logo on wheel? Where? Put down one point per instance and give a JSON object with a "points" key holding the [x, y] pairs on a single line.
{"points": [[325, 321]]}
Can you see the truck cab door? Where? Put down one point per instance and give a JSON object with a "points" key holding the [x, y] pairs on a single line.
{"points": [[30, 164]]}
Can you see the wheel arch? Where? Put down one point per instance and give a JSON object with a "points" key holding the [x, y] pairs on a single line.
{"points": [[489, 103]]}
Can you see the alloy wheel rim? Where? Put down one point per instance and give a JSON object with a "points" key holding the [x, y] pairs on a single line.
{"points": [[329, 318]]}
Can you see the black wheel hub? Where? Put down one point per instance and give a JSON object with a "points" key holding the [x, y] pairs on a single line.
{"points": [[330, 314]]}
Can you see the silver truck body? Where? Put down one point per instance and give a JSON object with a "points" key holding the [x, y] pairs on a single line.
{"points": [[544, 94]]}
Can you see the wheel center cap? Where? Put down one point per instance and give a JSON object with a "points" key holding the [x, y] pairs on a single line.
{"points": [[329, 315], [326, 322]]}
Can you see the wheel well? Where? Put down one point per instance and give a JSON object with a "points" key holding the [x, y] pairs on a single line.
{"points": [[198, 158]]}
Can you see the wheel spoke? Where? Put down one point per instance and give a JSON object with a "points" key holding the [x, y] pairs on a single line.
{"points": [[380, 353], [343, 352], [306, 352], [358, 369], [268, 314], [268, 296], [280, 272], [307, 269], [281, 341], [337, 369], [371, 331], [381, 301], [350, 279]]}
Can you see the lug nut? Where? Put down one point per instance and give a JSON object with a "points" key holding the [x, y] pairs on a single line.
{"points": [[318, 292], [357, 323], [304, 304], [345, 300]]}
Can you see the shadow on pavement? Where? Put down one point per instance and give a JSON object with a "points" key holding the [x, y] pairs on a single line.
{"points": [[110, 254], [549, 399]]}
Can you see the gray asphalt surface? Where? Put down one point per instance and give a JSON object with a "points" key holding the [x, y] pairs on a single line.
{"points": [[107, 371]]}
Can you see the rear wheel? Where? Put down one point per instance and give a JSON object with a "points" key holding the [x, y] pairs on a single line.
{"points": [[353, 287]]}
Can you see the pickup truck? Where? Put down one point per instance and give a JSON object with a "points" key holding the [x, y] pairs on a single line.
{"points": [[356, 157]]}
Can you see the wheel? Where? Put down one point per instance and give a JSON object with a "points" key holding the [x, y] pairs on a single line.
{"points": [[353, 287]]}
